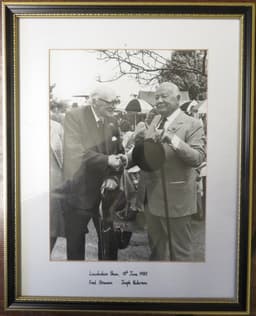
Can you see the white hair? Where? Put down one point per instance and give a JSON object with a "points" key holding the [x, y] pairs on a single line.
{"points": [[103, 92]]}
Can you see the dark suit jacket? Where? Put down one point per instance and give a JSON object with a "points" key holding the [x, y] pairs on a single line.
{"points": [[179, 170], [86, 150]]}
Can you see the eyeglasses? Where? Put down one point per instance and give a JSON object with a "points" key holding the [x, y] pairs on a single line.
{"points": [[108, 102]]}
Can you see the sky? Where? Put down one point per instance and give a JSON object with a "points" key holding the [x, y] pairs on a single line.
{"points": [[75, 72]]}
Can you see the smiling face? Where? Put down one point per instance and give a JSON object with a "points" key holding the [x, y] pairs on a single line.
{"points": [[167, 98]]}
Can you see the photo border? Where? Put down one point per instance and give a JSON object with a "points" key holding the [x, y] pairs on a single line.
{"points": [[12, 11]]}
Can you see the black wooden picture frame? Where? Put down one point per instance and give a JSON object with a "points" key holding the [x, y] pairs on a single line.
{"points": [[14, 301]]}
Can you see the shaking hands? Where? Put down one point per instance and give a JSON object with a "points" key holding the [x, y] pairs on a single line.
{"points": [[117, 162]]}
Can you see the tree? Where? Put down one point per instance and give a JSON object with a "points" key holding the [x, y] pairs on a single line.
{"points": [[183, 67], [187, 69], [143, 65]]}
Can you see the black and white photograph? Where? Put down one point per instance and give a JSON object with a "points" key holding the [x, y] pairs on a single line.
{"points": [[129, 157], [128, 164]]}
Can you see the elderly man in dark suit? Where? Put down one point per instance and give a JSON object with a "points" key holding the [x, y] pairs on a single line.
{"points": [[91, 157], [183, 141]]}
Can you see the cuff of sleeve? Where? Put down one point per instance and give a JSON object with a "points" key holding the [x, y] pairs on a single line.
{"points": [[125, 165], [175, 142], [129, 158]]}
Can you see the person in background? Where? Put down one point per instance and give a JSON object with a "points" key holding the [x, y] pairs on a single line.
{"points": [[56, 181], [191, 107], [57, 111], [134, 187]]}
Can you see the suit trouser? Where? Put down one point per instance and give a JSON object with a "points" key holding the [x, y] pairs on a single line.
{"points": [[181, 240], [76, 221]]}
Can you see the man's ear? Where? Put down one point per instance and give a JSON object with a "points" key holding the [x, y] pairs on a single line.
{"points": [[178, 97]]}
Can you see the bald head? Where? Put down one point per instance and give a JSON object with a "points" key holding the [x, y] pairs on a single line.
{"points": [[103, 100], [167, 98], [171, 87]]}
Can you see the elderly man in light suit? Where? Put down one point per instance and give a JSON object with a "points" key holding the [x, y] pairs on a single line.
{"points": [[183, 140]]}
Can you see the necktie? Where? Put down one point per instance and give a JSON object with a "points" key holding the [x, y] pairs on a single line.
{"points": [[163, 121], [103, 139], [100, 123], [106, 132]]}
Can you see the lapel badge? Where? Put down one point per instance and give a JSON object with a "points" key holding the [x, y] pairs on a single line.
{"points": [[172, 129]]}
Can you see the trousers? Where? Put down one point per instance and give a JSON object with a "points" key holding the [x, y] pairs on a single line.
{"points": [[180, 237], [76, 222]]}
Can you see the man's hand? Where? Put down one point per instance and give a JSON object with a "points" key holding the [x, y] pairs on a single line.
{"points": [[171, 139], [114, 162], [167, 137], [124, 160], [109, 184], [157, 135], [140, 130]]}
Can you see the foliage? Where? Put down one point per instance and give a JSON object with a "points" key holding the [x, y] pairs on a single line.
{"points": [[185, 68]]}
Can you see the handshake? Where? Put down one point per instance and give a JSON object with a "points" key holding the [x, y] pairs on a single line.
{"points": [[117, 162]]}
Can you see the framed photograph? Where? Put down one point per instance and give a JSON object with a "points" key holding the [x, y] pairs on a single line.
{"points": [[128, 156]]}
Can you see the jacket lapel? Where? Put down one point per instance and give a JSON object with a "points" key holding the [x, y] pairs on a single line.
{"points": [[105, 138], [177, 123], [95, 132], [111, 137]]}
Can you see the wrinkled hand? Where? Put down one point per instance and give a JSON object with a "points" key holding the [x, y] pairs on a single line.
{"points": [[124, 160], [157, 135], [140, 127], [114, 162], [167, 137], [109, 184], [140, 130]]}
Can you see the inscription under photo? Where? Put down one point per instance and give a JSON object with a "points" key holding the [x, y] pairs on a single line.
{"points": [[128, 137]]}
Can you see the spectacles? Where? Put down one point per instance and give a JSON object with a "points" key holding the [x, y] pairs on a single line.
{"points": [[108, 102]]}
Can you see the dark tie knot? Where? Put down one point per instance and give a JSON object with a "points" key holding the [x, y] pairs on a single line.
{"points": [[100, 123], [163, 121]]}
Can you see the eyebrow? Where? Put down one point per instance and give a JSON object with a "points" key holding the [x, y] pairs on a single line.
{"points": [[109, 102]]}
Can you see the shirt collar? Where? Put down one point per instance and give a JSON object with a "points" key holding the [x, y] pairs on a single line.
{"points": [[99, 121]]}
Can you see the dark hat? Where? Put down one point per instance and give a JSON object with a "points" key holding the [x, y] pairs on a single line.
{"points": [[149, 155]]}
